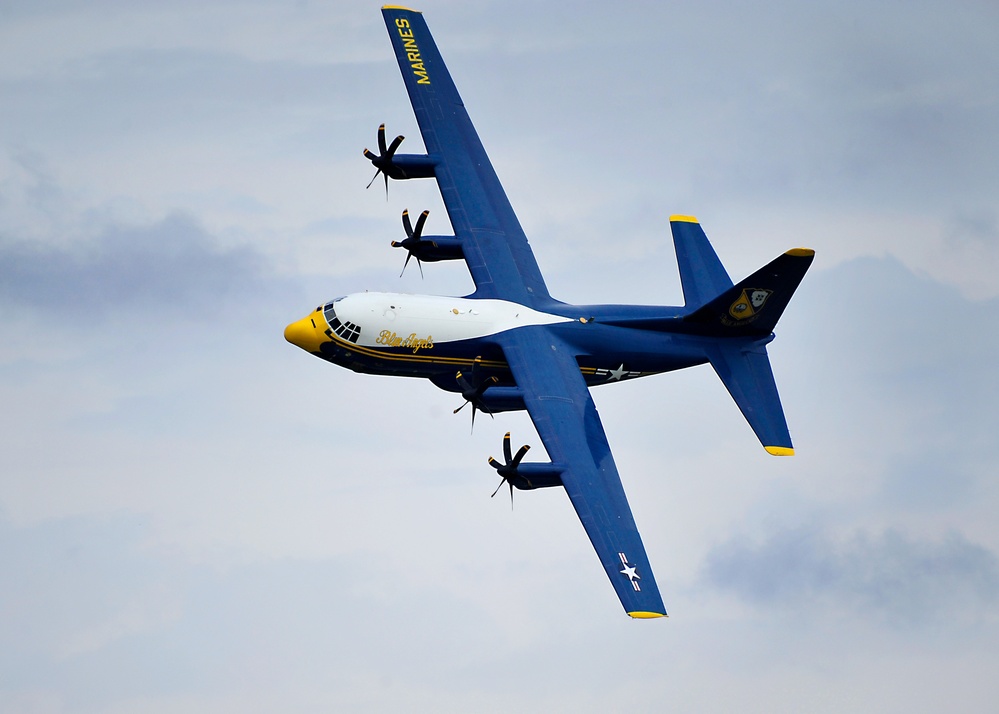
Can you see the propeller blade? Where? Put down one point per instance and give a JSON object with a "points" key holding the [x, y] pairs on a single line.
{"points": [[502, 481], [395, 145], [419, 224], [381, 139]]}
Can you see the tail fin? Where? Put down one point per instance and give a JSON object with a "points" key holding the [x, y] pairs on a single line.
{"points": [[702, 275], [752, 307], [747, 311]]}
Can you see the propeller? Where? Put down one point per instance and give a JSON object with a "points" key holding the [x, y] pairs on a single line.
{"points": [[383, 160], [508, 470], [413, 241], [473, 389]]}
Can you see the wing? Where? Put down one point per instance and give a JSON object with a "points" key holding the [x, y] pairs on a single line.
{"points": [[565, 416], [493, 243]]}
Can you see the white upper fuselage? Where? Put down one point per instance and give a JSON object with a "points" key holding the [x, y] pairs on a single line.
{"points": [[416, 321]]}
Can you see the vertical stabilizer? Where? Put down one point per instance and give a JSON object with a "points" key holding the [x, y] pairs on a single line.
{"points": [[753, 306], [702, 275]]}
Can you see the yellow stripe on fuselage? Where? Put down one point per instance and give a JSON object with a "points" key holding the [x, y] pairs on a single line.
{"points": [[311, 332], [412, 358]]}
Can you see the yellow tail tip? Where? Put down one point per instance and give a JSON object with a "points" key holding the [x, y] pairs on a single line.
{"points": [[779, 450], [801, 252], [683, 219], [638, 615]]}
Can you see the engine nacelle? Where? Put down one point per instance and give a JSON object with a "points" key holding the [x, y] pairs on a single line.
{"points": [[431, 249], [503, 399], [409, 166], [536, 475]]}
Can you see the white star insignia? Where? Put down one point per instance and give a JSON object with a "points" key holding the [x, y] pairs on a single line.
{"points": [[617, 374], [629, 570]]}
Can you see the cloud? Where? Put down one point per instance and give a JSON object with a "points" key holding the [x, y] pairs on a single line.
{"points": [[890, 576], [93, 260], [172, 264]]}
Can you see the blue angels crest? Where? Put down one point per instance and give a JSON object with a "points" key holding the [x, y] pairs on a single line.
{"points": [[749, 303]]}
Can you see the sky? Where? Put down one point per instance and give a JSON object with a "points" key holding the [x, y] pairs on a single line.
{"points": [[197, 516]]}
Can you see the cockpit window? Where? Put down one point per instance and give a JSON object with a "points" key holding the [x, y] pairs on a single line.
{"points": [[345, 329]]}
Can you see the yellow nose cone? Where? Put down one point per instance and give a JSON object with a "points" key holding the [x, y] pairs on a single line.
{"points": [[306, 333]]}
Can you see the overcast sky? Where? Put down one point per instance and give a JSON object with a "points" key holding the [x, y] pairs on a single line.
{"points": [[196, 516]]}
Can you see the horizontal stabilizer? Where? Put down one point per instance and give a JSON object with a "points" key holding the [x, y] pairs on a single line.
{"points": [[702, 275], [753, 306], [744, 367]]}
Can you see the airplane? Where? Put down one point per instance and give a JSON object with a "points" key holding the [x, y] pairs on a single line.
{"points": [[510, 345]]}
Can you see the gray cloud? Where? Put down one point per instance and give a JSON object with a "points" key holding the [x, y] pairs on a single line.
{"points": [[901, 579], [169, 265]]}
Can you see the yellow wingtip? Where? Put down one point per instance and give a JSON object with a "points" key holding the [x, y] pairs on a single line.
{"points": [[779, 450], [683, 219], [639, 615]]}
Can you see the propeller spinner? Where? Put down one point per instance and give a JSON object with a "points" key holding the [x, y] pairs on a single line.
{"points": [[413, 243], [383, 160], [472, 389], [508, 470]]}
